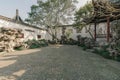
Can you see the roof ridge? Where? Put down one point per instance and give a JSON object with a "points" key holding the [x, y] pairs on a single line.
{"points": [[22, 23]]}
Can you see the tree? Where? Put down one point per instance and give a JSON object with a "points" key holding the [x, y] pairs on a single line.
{"points": [[84, 12], [51, 14]]}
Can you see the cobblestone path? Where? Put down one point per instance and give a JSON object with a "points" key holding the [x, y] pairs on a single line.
{"points": [[57, 63]]}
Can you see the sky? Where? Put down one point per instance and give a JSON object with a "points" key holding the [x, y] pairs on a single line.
{"points": [[8, 7], [82, 3]]}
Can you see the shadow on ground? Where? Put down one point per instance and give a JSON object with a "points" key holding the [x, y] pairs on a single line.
{"points": [[28, 65]]}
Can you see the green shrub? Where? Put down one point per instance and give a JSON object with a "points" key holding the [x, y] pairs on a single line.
{"points": [[118, 58], [84, 48], [106, 54], [105, 47], [36, 43], [19, 48], [102, 52], [96, 51]]}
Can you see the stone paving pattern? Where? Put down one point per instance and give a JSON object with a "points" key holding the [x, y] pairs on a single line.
{"points": [[57, 63]]}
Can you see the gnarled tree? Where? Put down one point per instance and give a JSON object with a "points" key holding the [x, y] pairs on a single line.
{"points": [[51, 14]]}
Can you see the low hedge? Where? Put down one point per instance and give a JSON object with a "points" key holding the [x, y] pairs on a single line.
{"points": [[36, 43], [102, 52]]}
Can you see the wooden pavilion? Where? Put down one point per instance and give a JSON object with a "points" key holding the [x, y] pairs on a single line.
{"points": [[104, 11]]}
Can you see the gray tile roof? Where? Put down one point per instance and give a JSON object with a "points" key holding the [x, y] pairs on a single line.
{"points": [[19, 22]]}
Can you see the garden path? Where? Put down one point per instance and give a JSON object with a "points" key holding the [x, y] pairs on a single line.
{"points": [[60, 62]]}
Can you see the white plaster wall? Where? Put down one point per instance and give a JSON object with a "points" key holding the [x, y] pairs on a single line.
{"points": [[27, 34], [84, 33], [48, 36], [59, 34], [43, 34], [100, 29]]}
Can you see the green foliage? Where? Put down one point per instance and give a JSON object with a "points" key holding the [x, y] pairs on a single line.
{"points": [[118, 58], [36, 43], [105, 54], [102, 52], [84, 48], [51, 12], [19, 48], [83, 12]]}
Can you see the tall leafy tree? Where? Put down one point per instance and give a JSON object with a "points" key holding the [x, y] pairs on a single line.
{"points": [[84, 12], [51, 14]]}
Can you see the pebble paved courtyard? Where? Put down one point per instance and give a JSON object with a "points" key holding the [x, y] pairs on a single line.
{"points": [[57, 63]]}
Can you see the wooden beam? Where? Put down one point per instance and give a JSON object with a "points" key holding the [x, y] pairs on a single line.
{"points": [[108, 29]]}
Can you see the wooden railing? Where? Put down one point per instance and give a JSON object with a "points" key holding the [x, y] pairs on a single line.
{"points": [[102, 35]]}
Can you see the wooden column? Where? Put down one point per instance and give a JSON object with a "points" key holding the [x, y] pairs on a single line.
{"points": [[63, 31], [95, 30], [108, 29]]}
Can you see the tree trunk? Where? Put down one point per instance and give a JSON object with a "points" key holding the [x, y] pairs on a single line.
{"points": [[53, 35], [89, 32]]}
